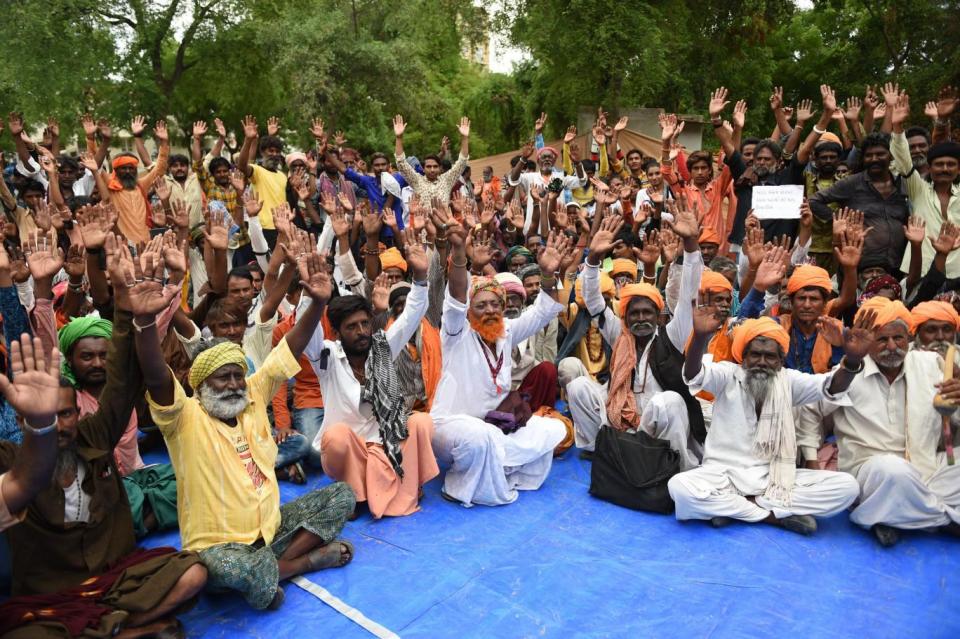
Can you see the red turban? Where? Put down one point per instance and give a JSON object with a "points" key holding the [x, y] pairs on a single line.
{"points": [[887, 312], [547, 149], [754, 328], [939, 311], [709, 236], [631, 291], [713, 282], [807, 275]]}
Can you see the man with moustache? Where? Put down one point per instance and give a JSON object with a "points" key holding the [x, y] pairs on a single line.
{"points": [[749, 469], [880, 195], [223, 451], [547, 172], [645, 388], [890, 436], [267, 178], [369, 437], [487, 465], [935, 326]]}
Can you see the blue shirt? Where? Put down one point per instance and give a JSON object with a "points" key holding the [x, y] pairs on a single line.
{"points": [[15, 323], [375, 194]]}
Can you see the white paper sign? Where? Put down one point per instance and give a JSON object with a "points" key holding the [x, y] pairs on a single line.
{"points": [[777, 202]]}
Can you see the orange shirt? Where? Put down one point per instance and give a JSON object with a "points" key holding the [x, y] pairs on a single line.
{"points": [[306, 387], [707, 204]]}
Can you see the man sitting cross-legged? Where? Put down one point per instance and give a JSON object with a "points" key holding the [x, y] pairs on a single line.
{"points": [[369, 437], [223, 452], [890, 436], [749, 463], [75, 554]]}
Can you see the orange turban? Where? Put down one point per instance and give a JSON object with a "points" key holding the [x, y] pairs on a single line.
{"points": [[623, 265], [607, 287], [939, 311], [713, 282], [391, 258], [631, 291], [125, 160], [754, 328], [807, 275], [887, 312], [709, 236]]}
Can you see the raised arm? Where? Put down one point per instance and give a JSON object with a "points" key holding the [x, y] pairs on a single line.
{"points": [[317, 284], [196, 141], [250, 136], [16, 124], [706, 321], [138, 127], [456, 236], [829, 108]]}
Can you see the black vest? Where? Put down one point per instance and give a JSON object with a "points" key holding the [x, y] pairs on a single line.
{"points": [[666, 364]]}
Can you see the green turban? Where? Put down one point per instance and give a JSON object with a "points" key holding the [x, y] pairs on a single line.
{"points": [[76, 330]]}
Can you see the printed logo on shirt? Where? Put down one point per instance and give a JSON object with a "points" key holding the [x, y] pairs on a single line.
{"points": [[243, 450]]}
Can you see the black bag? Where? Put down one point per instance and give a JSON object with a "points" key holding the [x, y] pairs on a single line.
{"points": [[632, 470]]}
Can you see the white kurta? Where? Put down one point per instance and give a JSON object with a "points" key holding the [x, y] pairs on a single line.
{"points": [[731, 471], [339, 386], [487, 466], [904, 481]]}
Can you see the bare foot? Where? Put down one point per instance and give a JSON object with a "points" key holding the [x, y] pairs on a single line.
{"points": [[334, 555]]}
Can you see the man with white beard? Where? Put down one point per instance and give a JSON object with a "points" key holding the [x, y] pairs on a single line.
{"points": [[935, 326], [749, 467], [223, 452], [890, 436]]}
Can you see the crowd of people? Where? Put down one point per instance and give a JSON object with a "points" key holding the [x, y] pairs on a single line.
{"points": [[264, 314]]}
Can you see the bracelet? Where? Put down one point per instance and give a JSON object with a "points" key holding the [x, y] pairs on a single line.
{"points": [[572, 277], [76, 288], [552, 281], [40, 431], [818, 130], [139, 328], [843, 363], [419, 282], [454, 264]]}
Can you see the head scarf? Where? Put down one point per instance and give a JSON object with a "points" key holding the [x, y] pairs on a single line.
{"points": [[528, 270], [754, 328], [624, 266], [207, 362], [76, 330], [511, 284], [293, 157], [887, 312], [486, 283], [121, 160], [713, 282], [391, 258], [709, 236], [607, 287], [519, 250], [631, 291], [938, 311], [876, 285], [829, 138], [398, 289], [547, 149], [807, 275]]}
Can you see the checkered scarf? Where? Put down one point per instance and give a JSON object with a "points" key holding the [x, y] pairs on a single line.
{"points": [[382, 391]]}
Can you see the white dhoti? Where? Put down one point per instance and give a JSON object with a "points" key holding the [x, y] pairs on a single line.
{"points": [[488, 467], [894, 493], [665, 417], [712, 491]]}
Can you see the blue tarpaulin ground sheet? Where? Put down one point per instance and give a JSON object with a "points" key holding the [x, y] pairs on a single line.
{"points": [[560, 563]]}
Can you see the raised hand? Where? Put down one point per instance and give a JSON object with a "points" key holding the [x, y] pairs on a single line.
{"points": [[718, 102], [238, 181], [75, 262], [668, 125], [858, 340], [684, 221], [870, 98], [273, 125], [35, 390], [829, 98], [314, 277], [317, 128], [89, 126], [670, 246], [651, 251], [93, 227], [707, 319], [15, 122], [174, 256], [199, 129], [44, 258], [772, 269], [148, 296], [849, 252], [852, 112], [221, 129], [599, 136], [399, 126], [538, 125], [776, 98], [380, 295], [372, 222], [916, 230], [53, 127], [464, 127], [160, 131], [106, 131], [947, 240], [552, 255], [250, 129], [753, 247], [621, 124], [479, 248], [162, 189], [739, 114], [216, 231], [179, 216], [138, 125], [42, 216], [831, 329], [890, 91], [946, 102], [804, 111], [339, 138], [605, 239]]}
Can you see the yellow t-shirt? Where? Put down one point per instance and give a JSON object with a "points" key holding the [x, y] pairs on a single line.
{"points": [[226, 486], [271, 186]]}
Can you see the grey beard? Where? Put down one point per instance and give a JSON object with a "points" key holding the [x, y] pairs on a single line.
{"points": [[937, 346], [222, 404], [67, 462], [511, 313], [758, 381], [891, 359], [919, 162]]}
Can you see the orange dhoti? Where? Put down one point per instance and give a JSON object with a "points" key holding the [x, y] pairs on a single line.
{"points": [[365, 467]]}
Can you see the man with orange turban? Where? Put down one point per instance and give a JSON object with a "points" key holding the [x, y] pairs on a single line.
{"points": [[749, 469], [393, 265], [935, 326], [709, 244], [646, 390], [583, 350], [890, 435], [809, 288], [128, 193]]}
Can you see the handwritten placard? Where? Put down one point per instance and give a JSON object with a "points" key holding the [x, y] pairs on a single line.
{"points": [[777, 202]]}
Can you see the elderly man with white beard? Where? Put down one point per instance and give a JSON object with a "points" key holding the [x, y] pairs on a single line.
{"points": [[890, 437], [749, 469], [223, 452], [935, 326]]}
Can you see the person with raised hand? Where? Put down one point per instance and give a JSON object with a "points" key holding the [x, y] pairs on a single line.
{"points": [[224, 451], [433, 183]]}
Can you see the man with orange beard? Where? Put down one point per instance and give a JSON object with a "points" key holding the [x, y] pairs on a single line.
{"points": [[489, 463]]}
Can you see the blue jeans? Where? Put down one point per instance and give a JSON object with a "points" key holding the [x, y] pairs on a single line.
{"points": [[291, 450], [308, 422]]}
